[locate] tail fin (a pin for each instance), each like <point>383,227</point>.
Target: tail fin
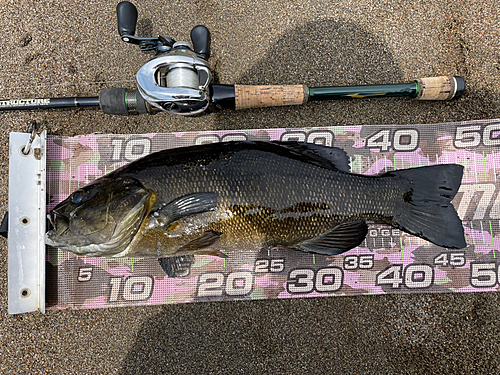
<point>427,211</point>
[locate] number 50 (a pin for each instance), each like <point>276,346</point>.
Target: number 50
<point>471,136</point>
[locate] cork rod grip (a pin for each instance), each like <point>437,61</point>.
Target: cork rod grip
<point>269,96</point>
<point>440,88</point>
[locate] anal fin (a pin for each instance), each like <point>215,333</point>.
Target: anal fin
<point>336,241</point>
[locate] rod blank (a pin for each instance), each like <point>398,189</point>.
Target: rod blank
<point>47,103</point>
<point>120,101</point>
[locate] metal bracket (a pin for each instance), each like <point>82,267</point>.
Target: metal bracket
<point>27,196</point>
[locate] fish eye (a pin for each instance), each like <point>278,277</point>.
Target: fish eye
<point>77,197</point>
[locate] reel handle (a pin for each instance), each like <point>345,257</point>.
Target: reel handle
<point>126,14</point>
<point>200,36</point>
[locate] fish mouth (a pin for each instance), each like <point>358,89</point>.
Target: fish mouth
<point>50,240</point>
<point>61,235</point>
<point>59,226</point>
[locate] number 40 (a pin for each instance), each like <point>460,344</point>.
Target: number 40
<point>402,140</point>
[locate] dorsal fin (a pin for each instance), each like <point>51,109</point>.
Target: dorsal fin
<point>325,156</point>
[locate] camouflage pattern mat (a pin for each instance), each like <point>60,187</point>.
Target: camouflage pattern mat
<point>388,261</point>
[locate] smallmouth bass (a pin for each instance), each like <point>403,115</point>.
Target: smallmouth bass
<point>222,197</point>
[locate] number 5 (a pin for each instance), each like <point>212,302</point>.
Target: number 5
<point>277,265</point>
<point>467,136</point>
<point>85,274</point>
<point>483,275</point>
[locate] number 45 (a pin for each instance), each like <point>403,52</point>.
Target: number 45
<point>450,259</point>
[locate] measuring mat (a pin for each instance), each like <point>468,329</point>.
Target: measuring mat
<point>388,261</point>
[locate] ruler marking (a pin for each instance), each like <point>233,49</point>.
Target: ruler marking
<point>475,165</point>
<point>402,252</point>
<point>473,238</point>
<point>485,173</point>
<point>492,242</point>
<point>482,230</point>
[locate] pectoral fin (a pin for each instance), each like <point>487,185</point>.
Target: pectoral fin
<point>177,266</point>
<point>340,239</point>
<point>185,206</point>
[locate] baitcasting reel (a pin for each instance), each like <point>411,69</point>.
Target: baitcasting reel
<point>177,78</point>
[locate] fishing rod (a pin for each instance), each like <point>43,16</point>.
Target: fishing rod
<point>178,80</point>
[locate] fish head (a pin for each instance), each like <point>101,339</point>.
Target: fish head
<point>102,218</point>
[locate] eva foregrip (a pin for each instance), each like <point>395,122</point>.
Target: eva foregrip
<point>269,96</point>
<point>440,88</point>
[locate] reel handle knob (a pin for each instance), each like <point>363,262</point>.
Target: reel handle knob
<point>200,36</point>
<point>126,14</point>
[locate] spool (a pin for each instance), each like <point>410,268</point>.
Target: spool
<point>183,77</point>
